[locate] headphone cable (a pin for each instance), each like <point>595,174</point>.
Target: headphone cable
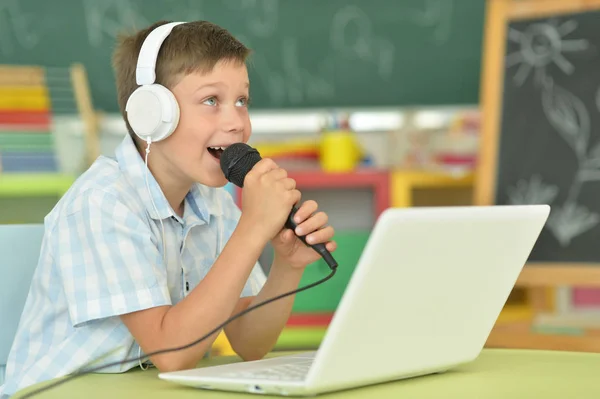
<point>216,329</point>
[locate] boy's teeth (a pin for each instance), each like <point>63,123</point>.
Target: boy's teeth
<point>217,148</point>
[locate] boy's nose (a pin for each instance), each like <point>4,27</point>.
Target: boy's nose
<point>232,121</point>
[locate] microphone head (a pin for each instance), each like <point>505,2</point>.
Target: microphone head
<point>237,160</point>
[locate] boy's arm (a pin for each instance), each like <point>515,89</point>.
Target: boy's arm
<point>110,265</point>
<point>268,196</point>
<point>255,334</point>
<point>208,305</point>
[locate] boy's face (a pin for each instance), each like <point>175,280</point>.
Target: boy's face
<point>213,113</point>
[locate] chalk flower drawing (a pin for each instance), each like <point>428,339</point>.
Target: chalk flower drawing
<point>543,44</point>
<point>592,162</point>
<point>532,192</point>
<point>571,119</point>
<point>570,221</point>
<point>569,116</point>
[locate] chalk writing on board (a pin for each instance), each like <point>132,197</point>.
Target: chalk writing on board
<point>542,44</point>
<point>437,14</point>
<point>352,35</point>
<point>110,18</point>
<point>261,16</point>
<point>294,84</point>
<point>16,27</point>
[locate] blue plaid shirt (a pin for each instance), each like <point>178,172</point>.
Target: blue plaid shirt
<point>102,256</point>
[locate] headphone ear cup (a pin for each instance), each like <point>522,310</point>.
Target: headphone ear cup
<point>152,112</point>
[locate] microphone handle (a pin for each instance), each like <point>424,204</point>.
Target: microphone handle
<point>320,248</point>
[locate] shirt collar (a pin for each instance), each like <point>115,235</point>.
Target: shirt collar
<point>202,200</point>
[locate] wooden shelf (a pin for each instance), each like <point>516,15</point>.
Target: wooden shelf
<point>538,274</point>
<point>405,182</point>
<point>377,179</point>
<point>521,336</point>
<point>514,314</point>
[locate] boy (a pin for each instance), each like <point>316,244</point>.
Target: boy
<point>129,265</point>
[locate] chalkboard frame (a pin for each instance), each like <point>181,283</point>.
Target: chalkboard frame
<point>535,277</point>
<point>499,14</point>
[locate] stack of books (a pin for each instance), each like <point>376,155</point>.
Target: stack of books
<point>26,139</point>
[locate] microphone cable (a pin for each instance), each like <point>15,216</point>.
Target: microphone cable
<point>158,352</point>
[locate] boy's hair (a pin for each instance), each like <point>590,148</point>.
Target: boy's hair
<point>190,47</point>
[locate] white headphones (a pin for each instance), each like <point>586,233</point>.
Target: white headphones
<point>152,110</point>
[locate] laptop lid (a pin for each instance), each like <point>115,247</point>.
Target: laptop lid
<point>426,292</point>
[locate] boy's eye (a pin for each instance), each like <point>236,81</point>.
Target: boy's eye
<point>210,101</point>
<point>242,102</point>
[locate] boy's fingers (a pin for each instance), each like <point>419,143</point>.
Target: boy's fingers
<point>259,170</point>
<point>275,174</point>
<point>320,236</point>
<point>313,223</point>
<point>306,209</point>
<point>287,235</point>
<point>264,165</point>
<point>289,183</point>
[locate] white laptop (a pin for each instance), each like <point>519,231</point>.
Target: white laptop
<point>423,298</point>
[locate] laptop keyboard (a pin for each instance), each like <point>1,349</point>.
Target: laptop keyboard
<point>296,371</point>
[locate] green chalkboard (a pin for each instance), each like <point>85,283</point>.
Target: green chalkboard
<point>307,53</point>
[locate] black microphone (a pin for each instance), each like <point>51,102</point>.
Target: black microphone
<point>236,161</point>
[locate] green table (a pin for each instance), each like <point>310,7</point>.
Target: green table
<point>496,374</point>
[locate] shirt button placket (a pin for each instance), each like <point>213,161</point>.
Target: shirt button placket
<point>185,284</point>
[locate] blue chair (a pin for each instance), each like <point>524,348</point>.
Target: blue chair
<point>19,252</point>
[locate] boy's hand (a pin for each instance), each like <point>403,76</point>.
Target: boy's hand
<point>267,199</point>
<point>290,250</point>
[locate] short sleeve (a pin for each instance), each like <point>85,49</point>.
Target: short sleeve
<point>231,217</point>
<point>107,258</point>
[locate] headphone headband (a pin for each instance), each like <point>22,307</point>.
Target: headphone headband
<point>152,109</point>
<point>145,73</point>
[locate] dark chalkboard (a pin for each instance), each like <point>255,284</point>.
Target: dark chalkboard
<point>307,53</point>
<point>549,140</point>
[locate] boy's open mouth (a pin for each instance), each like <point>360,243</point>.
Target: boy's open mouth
<point>216,151</point>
